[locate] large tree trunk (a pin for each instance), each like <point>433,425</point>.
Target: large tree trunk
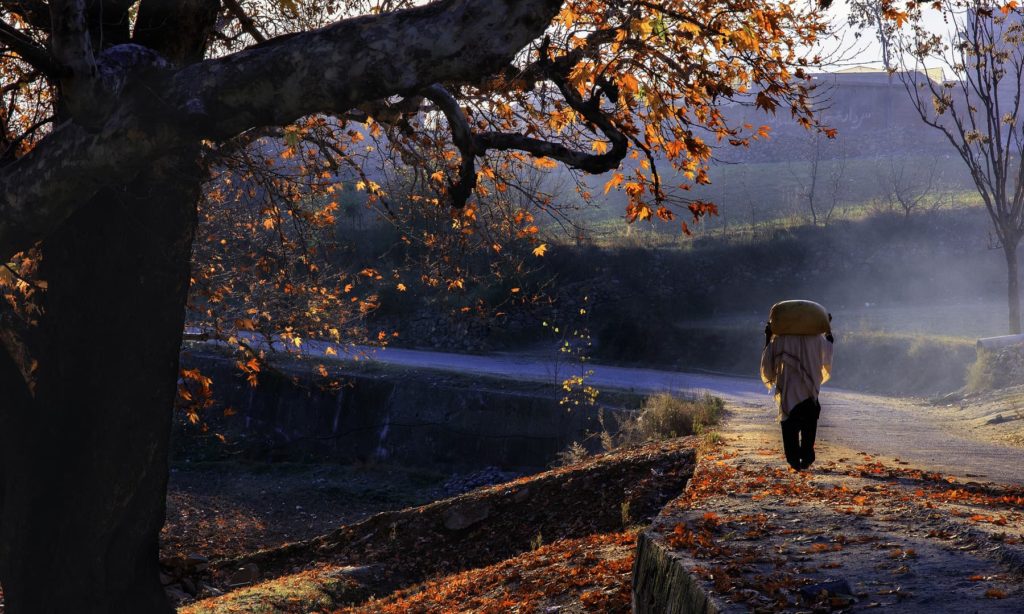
<point>86,463</point>
<point>1012,285</point>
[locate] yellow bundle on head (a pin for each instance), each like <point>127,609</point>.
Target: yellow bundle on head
<point>798,318</point>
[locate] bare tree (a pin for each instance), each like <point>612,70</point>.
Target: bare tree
<point>818,180</point>
<point>907,188</point>
<point>870,15</point>
<point>977,110</point>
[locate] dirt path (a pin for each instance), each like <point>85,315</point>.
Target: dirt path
<point>894,429</point>
<point>854,533</point>
<point>851,422</point>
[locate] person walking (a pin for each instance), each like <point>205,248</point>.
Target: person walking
<point>796,366</point>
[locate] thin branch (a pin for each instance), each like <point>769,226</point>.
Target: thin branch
<point>248,25</point>
<point>34,12</point>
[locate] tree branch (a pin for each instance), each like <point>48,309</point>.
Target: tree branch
<point>330,70</point>
<point>35,12</point>
<point>177,30</point>
<point>38,57</point>
<point>334,69</point>
<point>471,145</point>
<point>69,39</point>
<point>591,110</point>
<point>462,137</point>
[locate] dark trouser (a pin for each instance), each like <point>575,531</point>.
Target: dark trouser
<point>798,432</point>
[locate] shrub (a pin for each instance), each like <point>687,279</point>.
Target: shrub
<point>981,376</point>
<point>575,453</point>
<point>664,416</point>
<point>996,369</point>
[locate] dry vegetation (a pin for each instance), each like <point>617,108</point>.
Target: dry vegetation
<point>661,416</point>
<point>590,574</point>
<point>664,416</point>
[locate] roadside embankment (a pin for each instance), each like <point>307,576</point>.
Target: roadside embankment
<point>323,410</point>
<point>603,495</point>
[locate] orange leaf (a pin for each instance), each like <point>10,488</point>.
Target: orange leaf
<point>614,182</point>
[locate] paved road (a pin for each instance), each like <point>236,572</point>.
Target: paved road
<point>881,426</point>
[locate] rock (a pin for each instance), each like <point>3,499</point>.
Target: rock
<point>363,574</point>
<point>190,586</point>
<point>487,476</point>
<point>459,517</point>
<point>175,563</point>
<point>176,595</point>
<point>205,591</point>
<point>196,562</point>
<point>247,574</point>
<point>832,588</point>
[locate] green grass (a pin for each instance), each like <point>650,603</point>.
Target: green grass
<point>758,199</point>
<point>613,232</point>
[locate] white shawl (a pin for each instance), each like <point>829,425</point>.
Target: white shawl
<point>797,366</point>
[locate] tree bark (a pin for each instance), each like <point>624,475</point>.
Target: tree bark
<point>86,465</point>
<point>1012,285</point>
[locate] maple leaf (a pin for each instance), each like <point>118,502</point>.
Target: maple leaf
<point>766,102</point>
<point>540,250</point>
<point>630,84</point>
<point>615,181</point>
<point>894,14</point>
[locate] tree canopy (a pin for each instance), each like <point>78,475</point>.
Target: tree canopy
<point>292,98</point>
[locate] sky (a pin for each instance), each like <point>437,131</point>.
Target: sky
<point>865,51</point>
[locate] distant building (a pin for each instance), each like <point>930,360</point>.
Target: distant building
<point>869,108</point>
